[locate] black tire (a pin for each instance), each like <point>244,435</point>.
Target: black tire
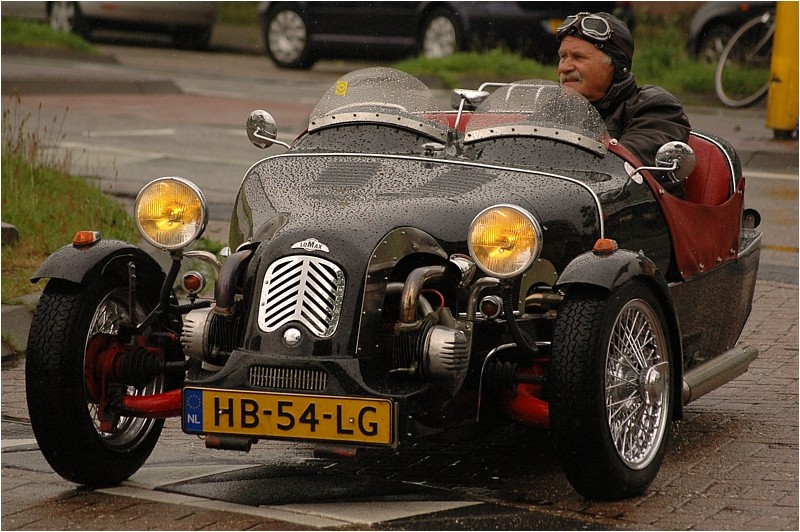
<point>66,17</point>
<point>62,415</point>
<point>742,76</point>
<point>611,422</point>
<point>440,35</point>
<point>287,39</point>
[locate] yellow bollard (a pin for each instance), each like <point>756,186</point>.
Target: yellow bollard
<point>782,99</point>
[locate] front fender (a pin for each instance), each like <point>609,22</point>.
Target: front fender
<point>78,264</point>
<point>611,270</point>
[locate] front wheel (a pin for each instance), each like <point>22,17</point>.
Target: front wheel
<point>611,390</point>
<point>63,415</point>
<point>742,76</point>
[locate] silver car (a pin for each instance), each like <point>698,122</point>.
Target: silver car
<point>188,23</point>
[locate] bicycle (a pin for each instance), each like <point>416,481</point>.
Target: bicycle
<point>742,75</point>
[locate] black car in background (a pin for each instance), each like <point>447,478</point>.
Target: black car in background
<point>715,22</point>
<point>296,34</point>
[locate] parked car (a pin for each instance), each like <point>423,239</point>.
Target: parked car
<point>715,22</point>
<point>190,24</point>
<point>408,268</point>
<point>296,34</point>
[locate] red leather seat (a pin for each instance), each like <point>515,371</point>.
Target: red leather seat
<point>711,182</point>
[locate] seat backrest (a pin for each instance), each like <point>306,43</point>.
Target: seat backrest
<point>711,182</point>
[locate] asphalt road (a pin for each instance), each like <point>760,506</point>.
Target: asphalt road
<point>732,463</point>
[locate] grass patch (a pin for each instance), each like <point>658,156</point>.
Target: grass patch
<point>30,34</point>
<point>46,204</point>
<point>464,69</point>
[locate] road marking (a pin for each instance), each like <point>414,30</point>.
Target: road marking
<point>157,476</point>
<point>770,175</point>
<point>318,515</point>
<point>143,483</point>
<point>130,133</point>
<point>371,513</point>
<point>209,504</point>
<point>8,443</point>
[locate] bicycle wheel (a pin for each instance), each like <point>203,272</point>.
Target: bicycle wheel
<point>743,69</point>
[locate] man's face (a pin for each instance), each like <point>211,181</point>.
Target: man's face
<point>584,67</point>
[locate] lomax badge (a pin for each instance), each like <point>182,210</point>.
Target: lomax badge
<point>311,244</point>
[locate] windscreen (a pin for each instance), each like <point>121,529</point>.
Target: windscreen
<point>541,109</point>
<point>379,95</point>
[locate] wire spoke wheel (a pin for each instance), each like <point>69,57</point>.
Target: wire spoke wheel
<point>637,384</point>
<point>742,75</point>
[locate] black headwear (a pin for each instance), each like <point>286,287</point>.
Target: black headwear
<point>618,46</point>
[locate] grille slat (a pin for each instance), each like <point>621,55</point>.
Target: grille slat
<point>304,289</point>
<point>288,378</point>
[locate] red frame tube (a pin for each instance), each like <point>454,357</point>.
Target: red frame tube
<point>162,405</point>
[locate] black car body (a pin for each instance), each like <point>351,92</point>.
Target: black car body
<point>714,23</point>
<point>298,33</point>
<point>405,269</point>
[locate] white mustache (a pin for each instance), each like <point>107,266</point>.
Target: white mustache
<point>571,76</point>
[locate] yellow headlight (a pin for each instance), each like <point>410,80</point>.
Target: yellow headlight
<point>504,240</point>
<point>171,213</point>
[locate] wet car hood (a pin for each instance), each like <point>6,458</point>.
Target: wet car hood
<point>360,198</point>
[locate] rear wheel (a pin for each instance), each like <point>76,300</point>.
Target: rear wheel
<point>611,391</point>
<point>287,40</point>
<point>63,415</point>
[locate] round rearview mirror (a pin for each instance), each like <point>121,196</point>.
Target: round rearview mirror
<point>678,158</point>
<point>261,129</point>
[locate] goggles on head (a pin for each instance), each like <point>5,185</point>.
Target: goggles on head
<point>594,28</point>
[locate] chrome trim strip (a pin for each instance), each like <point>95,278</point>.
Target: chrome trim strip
<point>537,131</point>
<point>387,119</point>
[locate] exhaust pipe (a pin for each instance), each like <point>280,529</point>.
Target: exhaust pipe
<point>712,374</point>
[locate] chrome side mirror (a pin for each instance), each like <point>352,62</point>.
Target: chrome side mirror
<point>677,158</point>
<point>262,131</point>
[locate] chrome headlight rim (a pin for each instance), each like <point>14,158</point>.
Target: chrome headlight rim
<point>201,227</point>
<point>535,252</point>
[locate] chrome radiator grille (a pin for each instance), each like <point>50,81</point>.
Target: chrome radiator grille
<point>288,378</point>
<point>303,289</point>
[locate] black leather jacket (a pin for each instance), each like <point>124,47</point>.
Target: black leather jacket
<point>643,118</point>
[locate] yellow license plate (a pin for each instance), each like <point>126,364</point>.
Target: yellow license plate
<point>303,417</point>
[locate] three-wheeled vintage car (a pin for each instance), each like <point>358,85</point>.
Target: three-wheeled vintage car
<point>403,269</point>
